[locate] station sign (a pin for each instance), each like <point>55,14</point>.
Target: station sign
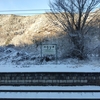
<point>48,49</point>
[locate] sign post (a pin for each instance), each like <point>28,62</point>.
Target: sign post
<point>49,50</point>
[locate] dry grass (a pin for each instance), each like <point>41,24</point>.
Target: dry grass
<point>21,30</point>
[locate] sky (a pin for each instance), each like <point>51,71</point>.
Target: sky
<point>6,5</point>
<point>23,5</point>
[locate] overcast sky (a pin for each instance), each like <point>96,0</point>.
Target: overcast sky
<point>23,5</point>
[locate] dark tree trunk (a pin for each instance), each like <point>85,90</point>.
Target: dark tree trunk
<point>78,42</point>
<point>74,16</point>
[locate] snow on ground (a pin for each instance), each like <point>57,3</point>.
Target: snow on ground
<point>13,60</point>
<point>49,68</point>
<point>49,95</point>
<point>50,88</point>
<point>52,95</point>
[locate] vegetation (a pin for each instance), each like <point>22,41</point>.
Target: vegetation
<point>74,17</point>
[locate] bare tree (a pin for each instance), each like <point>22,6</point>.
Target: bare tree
<point>73,16</point>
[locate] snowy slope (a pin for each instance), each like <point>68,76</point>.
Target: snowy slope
<point>13,60</point>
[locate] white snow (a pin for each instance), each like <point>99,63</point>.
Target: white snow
<point>50,88</point>
<point>49,68</point>
<point>13,60</point>
<point>53,95</point>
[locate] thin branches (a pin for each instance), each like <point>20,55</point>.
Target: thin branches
<point>72,16</point>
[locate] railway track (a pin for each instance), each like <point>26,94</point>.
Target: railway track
<point>79,91</point>
<point>49,94</point>
<point>49,86</point>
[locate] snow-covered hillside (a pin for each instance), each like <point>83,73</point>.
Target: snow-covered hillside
<point>26,33</point>
<point>21,30</point>
<point>14,57</point>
